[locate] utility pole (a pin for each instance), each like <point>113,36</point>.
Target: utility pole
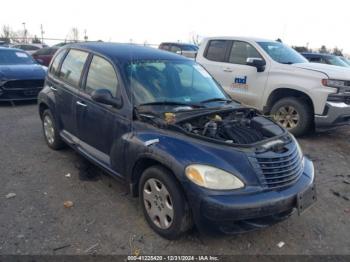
<point>85,36</point>
<point>42,33</point>
<point>24,32</point>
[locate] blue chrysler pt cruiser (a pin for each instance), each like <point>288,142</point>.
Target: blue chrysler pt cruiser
<point>161,123</point>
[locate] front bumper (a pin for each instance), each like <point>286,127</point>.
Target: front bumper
<point>19,94</point>
<point>336,114</point>
<point>236,213</point>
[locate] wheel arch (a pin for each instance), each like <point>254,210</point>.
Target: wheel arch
<point>280,93</point>
<point>139,167</point>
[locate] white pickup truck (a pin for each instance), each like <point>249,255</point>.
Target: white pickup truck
<point>277,80</point>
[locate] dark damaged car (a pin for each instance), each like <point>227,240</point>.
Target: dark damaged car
<point>161,123</point>
<point>21,78</point>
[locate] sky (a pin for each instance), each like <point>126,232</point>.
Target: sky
<point>296,22</point>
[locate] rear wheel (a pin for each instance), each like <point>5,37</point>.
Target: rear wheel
<point>293,114</point>
<point>163,203</point>
<point>51,133</point>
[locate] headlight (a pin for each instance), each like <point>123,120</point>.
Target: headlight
<point>339,84</point>
<point>212,178</point>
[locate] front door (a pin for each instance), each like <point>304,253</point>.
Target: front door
<point>243,82</point>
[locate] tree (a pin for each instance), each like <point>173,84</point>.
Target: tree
<point>74,34</point>
<point>6,34</point>
<point>301,49</point>
<point>323,50</point>
<point>36,40</point>
<point>337,51</point>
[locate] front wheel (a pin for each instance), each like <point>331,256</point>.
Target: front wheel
<point>293,114</point>
<point>163,203</point>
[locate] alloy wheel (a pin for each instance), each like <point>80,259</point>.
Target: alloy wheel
<point>49,130</point>
<point>287,116</point>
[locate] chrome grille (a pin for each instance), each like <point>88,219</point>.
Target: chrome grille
<point>281,171</point>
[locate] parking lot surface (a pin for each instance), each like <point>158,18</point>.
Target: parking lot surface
<point>104,219</point>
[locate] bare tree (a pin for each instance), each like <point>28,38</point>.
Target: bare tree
<point>337,51</point>
<point>195,38</point>
<point>74,34</point>
<point>6,34</point>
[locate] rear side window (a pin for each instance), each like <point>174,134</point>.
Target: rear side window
<point>216,50</point>
<point>240,51</point>
<point>72,66</point>
<point>101,76</point>
<point>175,48</point>
<point>56,62</point>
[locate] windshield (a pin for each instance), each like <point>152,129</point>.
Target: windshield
<point>334,60</point>
<point>346,61</point>
<point>182,82</point>
<point>282,53</point>
<point>12,57</point>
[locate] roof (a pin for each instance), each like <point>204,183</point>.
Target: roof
<point>11,49</point>
<point>126,52</point>
<point>316,54</point>
<point>240,38</point>
<point>177,43</point>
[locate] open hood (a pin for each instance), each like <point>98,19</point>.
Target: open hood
<point>333,72</point>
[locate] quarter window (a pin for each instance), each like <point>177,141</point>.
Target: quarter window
<point>72,67</point>
<point>56,63</point>
<point>216,50</point>
<point>240,51</point>
<point>101,76</point>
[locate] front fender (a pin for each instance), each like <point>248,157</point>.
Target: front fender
<point>176,151</point>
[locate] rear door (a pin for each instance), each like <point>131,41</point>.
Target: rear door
<point>101,126</point>
<point>66,88</point>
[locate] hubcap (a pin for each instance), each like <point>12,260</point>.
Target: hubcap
<point>158,203</point>
<point>48,129</point>
<point>287,116</point>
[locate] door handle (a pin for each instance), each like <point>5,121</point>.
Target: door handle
<point>53,88</point>
<point>227,69</point>
<point>81,104</point>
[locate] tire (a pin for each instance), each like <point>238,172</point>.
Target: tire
<point>51,133</point>
<point>289,110</point>
<point>155,203</point>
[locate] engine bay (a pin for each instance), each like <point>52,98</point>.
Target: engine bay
<point>243,127</point>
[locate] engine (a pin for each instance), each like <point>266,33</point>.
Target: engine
<point>235,127</point>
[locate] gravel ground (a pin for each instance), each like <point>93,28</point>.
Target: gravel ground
<point>106,220</point>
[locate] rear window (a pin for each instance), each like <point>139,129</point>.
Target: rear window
<point>216,50</point>
<point>72,67</point>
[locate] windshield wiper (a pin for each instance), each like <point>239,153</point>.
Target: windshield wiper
<point>216,99</point>
<point>169,103</point>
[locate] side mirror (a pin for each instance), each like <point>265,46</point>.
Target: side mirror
<point>104,96</point>
<point>257,62</point>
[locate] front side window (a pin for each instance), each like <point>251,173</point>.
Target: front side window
<point>172,81</point>
<point>101,76</point>
<point>282,53</point>
<point>72,66</point>
<point>240,51</point>
<point>216,50</point>
<point>13,57</point>
<point>56,63</point>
